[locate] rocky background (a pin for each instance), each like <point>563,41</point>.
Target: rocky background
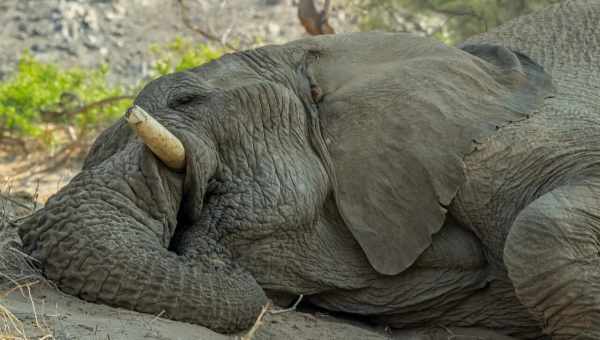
<point>91,32</point>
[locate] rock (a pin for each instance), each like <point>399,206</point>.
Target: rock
<point>90,20</point>
<point>273,29</point>
<point>91,41</point>
<point>273,2</point>
<point>22,27</point>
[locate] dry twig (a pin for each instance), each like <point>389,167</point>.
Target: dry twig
<point>315,22</point>
<point>85,107</point>
<point>257,324</point>
<point>291,309</point>
<point>12,328</point>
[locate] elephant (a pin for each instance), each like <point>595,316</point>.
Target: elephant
<point>383,175</point>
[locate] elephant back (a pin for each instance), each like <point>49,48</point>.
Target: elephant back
<point>559,143</point>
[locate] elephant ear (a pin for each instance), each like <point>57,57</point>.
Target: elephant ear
<point>397,124</point>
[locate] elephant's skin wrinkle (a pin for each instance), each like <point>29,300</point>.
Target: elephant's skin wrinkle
<point>402,191</point>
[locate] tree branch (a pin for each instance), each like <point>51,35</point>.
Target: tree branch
<point>457,13</point>
<point>84,108</point>
<point>315,22</point>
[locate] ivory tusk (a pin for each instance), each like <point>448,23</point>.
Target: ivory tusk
<point>163,143</point>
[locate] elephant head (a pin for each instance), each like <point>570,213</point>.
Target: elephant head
<point>376,123</point>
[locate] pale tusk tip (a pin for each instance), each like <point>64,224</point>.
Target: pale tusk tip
<point>135,115</point>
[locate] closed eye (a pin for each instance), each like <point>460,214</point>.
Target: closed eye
<point>184,101</point>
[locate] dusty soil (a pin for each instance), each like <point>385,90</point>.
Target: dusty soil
<point>66,317</point>
<point>45,311</point>
<point>29,173</point>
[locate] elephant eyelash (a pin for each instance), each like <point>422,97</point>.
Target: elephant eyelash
<point>185,99</point>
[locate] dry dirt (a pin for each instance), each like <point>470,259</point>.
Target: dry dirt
<point>27,172</point>
<point>46,311</point>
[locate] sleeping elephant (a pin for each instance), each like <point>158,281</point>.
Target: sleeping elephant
<point>384,175</point>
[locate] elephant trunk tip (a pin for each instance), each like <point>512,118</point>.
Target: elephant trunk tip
<point>161,141</point>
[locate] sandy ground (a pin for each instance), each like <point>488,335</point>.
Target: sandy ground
<point>37,173</point>
<point>46,311</point>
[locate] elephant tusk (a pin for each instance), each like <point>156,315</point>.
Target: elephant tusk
<point>163,143</point>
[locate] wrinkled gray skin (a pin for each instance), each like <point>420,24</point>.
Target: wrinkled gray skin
<point>383,175</point>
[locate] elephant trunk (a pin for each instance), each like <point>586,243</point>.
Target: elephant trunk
<point>552,257</point>
<point>104,238</point>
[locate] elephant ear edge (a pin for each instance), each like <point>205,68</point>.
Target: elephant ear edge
<point>393,181</point>
<point>527,78</point>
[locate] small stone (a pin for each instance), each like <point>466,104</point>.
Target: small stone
<point>91,20</point>
<point>273,29</point>
<point>22,27</point>
<point>37,48</point>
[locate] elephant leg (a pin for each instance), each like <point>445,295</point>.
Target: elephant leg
<point>552,258</point>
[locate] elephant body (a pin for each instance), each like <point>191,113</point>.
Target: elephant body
<point>384,175</point>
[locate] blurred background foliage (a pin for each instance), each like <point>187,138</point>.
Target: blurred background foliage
<point>181,54</point>
<point>449,20</point>
<point>40,101</point>
<point>39,92</point>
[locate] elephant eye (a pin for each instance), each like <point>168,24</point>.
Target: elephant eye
<point>182,100</point>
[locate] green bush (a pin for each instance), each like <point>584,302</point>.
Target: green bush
<point>181,54</point>
<point>40,92</point>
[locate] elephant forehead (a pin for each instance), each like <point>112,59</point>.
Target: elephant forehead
<point>374,47</point>
<point>397,60</point>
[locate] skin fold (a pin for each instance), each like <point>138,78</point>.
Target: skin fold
<point>385,175</point>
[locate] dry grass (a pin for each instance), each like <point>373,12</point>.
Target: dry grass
<point>15,266</point>
<point>11,328</point>
<point>16,272</point>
